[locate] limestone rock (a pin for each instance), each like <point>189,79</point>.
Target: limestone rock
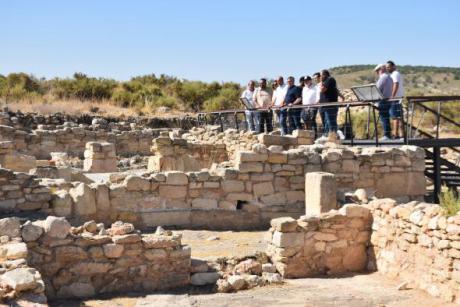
<point>205,278</point>
<point>249,266</point>
<point>56,227</point>
<point>272,278</point>
<point>10,227</point>
<point>284,224</point>
<point>237,282</point>
<point>84,199</point>
<point>31,232</point>
<point>120,228</point>
<point>20,279</point>
<point>113,250</point>
<point>12,251</point>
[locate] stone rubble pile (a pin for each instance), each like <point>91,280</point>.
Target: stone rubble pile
<point>18,281</point>
<point>234,274</point>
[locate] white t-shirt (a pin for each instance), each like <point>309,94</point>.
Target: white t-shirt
<point>318,92</point>
<point>309,95</point>
<point>248,94</point>
<point>397,77</point>
<point>279,94</point>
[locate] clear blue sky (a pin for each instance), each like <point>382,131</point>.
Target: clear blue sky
<point>222,40</point>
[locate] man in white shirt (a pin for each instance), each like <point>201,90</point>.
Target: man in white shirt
<point>278,100</point>
<point>251,115</point>
<point>397,92</point>
<point>309,98</point>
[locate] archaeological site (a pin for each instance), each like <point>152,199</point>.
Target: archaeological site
<point>97,207</point>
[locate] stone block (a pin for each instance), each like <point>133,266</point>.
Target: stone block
<point>251,167</point>
<point>288,239</point>
<point>173,191</point>
<point>263,188</point>
<point>84,200</point>
<point>284,224</point>
<point>249,156</point>
<point>62,204</point>
<point>229,186</point>
<point>176,178</point>
<point>320,192</point>
<point>203,203</point>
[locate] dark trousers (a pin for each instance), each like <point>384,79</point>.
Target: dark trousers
<point>322,114</point>
<point>384,113</point>
<point>309,119</point>
<point>283,121</point>
<point>294,119</point>
<point>330,116</point>
<point>265,121</point>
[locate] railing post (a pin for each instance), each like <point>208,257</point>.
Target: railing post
<point>376,131</point>
<point>236,121</point>
<point>221,123</point>
<point>436,173</point>
<point>438,119</point>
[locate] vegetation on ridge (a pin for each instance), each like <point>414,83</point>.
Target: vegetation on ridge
<point>147,93</point>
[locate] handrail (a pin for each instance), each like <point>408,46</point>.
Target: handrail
<point>419,103</point>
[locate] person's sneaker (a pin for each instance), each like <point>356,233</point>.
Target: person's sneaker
<point>341,135</point>
<point>384,138</point>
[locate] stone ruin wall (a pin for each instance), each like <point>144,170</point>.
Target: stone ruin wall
<point>41,143</point>
<point>263,184</point>
<point>419,244</point>
<point>414,242</point>
<point>331,243</point>
<point>74,262</point>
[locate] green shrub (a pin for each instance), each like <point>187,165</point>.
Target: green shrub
<point>449,202</point>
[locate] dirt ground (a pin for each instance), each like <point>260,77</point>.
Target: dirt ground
<point>351,290</point>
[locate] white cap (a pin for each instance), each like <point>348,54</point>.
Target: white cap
<point>377,68</point>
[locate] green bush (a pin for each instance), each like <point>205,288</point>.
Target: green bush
<point>449,202</point>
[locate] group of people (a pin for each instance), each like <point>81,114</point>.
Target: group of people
<point>281,100</point>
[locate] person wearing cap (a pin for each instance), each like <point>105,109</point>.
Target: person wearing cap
<point>309,98</point>
<point>251,115</point>
<point>262,100</point>
<point>385,85</point>
<point>293,98</point>
<point>302,82</point>
<point>397,92</point>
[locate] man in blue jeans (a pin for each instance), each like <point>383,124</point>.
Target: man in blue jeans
<point>293,98</point>
<point>385,85</point>
<point>331,94</point>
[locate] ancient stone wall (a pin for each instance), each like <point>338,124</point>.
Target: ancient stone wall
<point>419,244</point>
<point>89,260</point>
<point>31,121</point>
<point>180,155</point>
<point>332,243</point>
<point>40,143</point>
<point>22,192</point>
<point>264,184</point>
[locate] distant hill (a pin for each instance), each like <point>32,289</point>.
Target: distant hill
<point>418,80</point>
